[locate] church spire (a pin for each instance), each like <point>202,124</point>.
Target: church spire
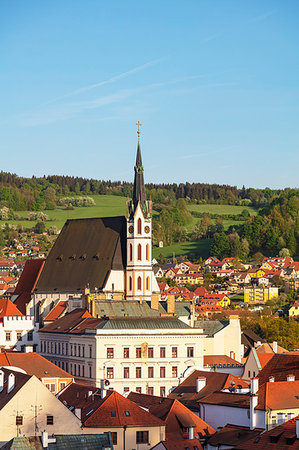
<point>139,188</point>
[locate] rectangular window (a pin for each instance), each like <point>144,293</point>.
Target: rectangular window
<point>110,372</point>
<point>7,335</point>
<point>138,390</point>
<point>162,391</point>
<point>71,349</point>
<point>126,352</point>
<point>126,372</point>
<point>89,371</point>
<point>162,372</point>
<point>174,352</point>
<point>50,420</point>
<point>19,420</point>
<point>190,352</point>
<point>162,352</point>
<point>79,350</point>
<point>75,349</point>
<point>138,372</point>
<point>83,371</point>
<point>66,348</point>
<point>126,389</point>
<point>30,335</point>
<point>150,390</point>
<point>114,437</point>
<point>19,335</point>
<point>174,372</point>
<point>138,352</point>
<point>150,372</point>
<point>90,351</point>
<point>83,351</point>
<point>110,352</point>
<point>150,352</point>
<point>62,385</point>
<point>141,437</point>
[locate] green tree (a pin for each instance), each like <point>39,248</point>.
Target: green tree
<point>220,246</point>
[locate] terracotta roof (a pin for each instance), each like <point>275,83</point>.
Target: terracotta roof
<point>56,312</point>
<point>174,413</point>
<point>182,444</point>
<point>7,308</point>
<point>278,395</point>
<point>84,253</point>
<point>215,381</point>
<point>282,437</point>
<point>27,282</point>
<point>280,366</point>
<point>232,435</point>
<point>264,358</point>
<point>200,291</point>
<point>266,347</point>
<point>227,399</point>
<point>113,410</point>
<point>216,360</point>
<point>68,322</point>
<point>33,364</point>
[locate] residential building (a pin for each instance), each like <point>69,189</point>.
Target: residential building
<point>259,294</point>
<point>231,436</point>
<point>27,407</point>
<point>294,310</point>
<point>104,411</point>
<point>53,377</point>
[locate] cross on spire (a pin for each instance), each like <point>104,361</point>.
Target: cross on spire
<point>138,130</point>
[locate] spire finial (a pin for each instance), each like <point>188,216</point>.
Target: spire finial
<point>138,130</point>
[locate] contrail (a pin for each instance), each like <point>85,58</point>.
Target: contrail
<point>109,81</point>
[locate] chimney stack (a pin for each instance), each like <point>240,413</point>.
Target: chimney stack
<point>200,383</point>
<point>170,304</point>
<point>191,432</point>
<point>155,302</point>
<point>11,382</point>
<point>103,389</point>
<point>291,377</point>
<point>274,346</point>
<point>271,379</point>
<point>1,380</point>
<point>254,385</point>
<point>45,439</point>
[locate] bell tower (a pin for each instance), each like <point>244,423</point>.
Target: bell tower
<point>140,279</point>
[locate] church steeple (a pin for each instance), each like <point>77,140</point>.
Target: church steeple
<point>139,188</point>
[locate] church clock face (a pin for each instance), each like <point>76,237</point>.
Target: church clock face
<point>131,229</point>
<point>147,229</point>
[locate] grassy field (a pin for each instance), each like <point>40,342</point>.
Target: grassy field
<point>200,248</point>
<point>221,209</point>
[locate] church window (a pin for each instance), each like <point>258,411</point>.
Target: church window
<point>147,252</point>
<point>139,252</point>
<point>130,283</point>
<point>130,252</point>
<point>139,283</point>
<point>147,283</point>
<point>139,226</point>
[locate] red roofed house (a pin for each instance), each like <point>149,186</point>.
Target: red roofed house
<point>59,310</point>
<point>258,357</point>
<point>181,423</point>
<point>17,331</point>
<point>53,377</point>
<point>215,299</point>
<point>26,285</point>
<point>104,410</point>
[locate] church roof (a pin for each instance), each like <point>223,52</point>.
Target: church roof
<point>139,188</point>
<point>83,255</point>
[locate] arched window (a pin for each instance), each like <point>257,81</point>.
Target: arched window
<point>139,283</point>
<point>139,226</point>
<point>130,283</point>
<point>130,252</point>
<point>139,252</point>
<point>147,283</point>
<point>147,252</point>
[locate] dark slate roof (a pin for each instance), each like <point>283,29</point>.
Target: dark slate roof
<point>211,327</point>
<point>143,323</point>
<point>63,442</point>
<point>132,308</point>
<point>83,255</point>
<point>20,380</point>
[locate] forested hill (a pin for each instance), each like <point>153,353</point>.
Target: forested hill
<point>18,193</point>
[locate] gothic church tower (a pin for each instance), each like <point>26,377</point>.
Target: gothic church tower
<point>140,279</point>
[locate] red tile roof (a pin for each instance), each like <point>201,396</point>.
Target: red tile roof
<point>282,437</point>
<point>56,312</point>
<point>33,364</point>
<point>27,282</point>
<point>227,399</point>
<point>264,358</point>
<point>7,308</point>
<point>216,360</point>
<point>278,395</point>
<point>176,415</point>
<point>280,366</point>
<point>182,444</point>
<point>113,410</point>
<point>232,435</point>
<point>68,322</point>
<point>200,291</point>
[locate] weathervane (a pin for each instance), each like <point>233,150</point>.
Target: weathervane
<point>138,130</point>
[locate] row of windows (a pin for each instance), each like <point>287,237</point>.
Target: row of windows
<point>138,372</point>
<point>19,335</point>
<point>139,252</point>
<point>141,437</point>
<point>78,370</point>
<point>139,283</point>
<point>61,348</point>
<point>20,420</point>
<point>149,352</point>
<point>149,390</point>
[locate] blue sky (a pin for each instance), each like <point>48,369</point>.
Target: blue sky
<point>214,83</point>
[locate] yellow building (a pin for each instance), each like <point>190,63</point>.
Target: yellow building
<point>294,310</point>
<point>259,294</point>
<point>256,273</point>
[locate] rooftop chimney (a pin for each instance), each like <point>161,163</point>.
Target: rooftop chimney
<point>103,389</point>
<point>271,379</point>
<point>200,383</point>
<point>191,432</point>
<point>45,439</point>
<point>170,304</point>
<point>11,382</point>
<point>78,412</point>
<point>274,346</point>
<point>253,404</point>
<point>254,385</point>
<point>291,377</point>
<point>1,380</point>
<point>155,302</point>
<point>232,355</point>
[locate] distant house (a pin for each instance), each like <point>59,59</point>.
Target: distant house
<point>294,310</point>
